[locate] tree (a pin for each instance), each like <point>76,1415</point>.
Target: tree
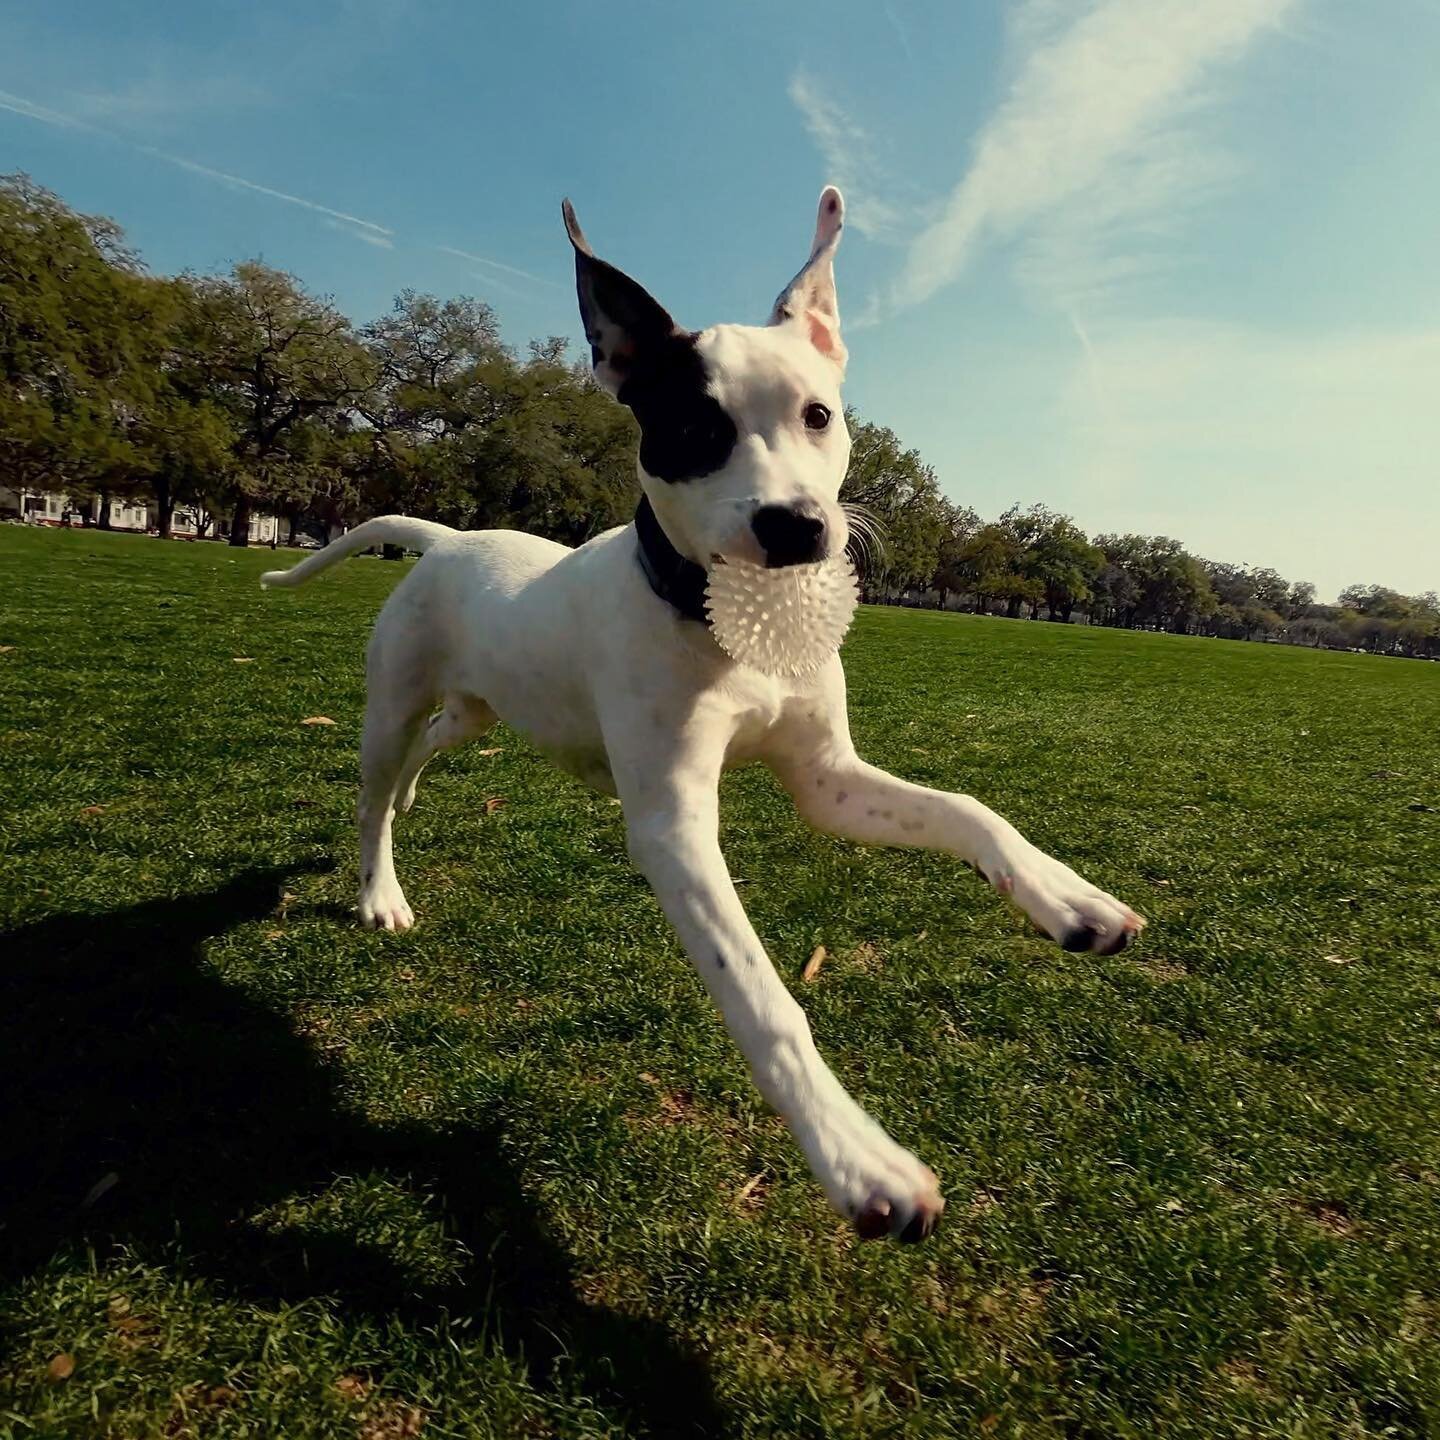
<point>79,337</point>
<point>896,491</point>
<point>273,357</point>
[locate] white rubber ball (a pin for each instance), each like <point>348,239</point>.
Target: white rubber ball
<point>786,621</point>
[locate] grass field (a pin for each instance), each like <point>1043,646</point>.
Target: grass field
<point>505,1175</point>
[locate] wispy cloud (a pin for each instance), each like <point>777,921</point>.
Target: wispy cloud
<point>850,157</point>
<point>367,229</point>
<point>19,105</point>
<point>1095,140</point>
<point>362,229</point>
<point>493,264</point>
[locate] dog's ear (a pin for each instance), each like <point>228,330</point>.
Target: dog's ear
<point>621,319</point>
<point>808,301</point>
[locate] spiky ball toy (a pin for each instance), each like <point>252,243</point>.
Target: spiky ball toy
<point>786,621</point>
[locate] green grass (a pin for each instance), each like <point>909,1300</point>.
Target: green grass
<point>490,1177</point>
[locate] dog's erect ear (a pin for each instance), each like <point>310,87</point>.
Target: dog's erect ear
<point>808,301</point>
<point>621,319</point>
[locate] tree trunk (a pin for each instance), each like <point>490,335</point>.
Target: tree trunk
<point>164,508</point>
<point>240,523</point>
<point>1012,608</point>
<point>103,518</point>
<point>294,525</point>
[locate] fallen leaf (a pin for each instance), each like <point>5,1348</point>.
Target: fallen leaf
<point>494,803</point>
<point>1173,1207</point>
<point>243,659</point>
<point>748,1191</point>
<point>93,810</point>
<point>1195,808</point>
<point>405,973</point>
<point>100,1188</point>
<point>813,964</point>
<point>6,649</point>
<point>1341,959</point>
<point>353,1387</point>
<point>494,750</point>
<point>317,720</point>
<point>922,935</point>
<point>61,1367</point>
<point>391,1420</point>
<point>274,934</point>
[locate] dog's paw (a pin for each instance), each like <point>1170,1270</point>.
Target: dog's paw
<point>384,907</point>
<point>1074,913</point>
<point>879,1186</point>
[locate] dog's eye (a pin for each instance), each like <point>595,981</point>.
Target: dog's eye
<point>817,416</point>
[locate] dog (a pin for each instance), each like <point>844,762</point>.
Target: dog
<point>602,658</point>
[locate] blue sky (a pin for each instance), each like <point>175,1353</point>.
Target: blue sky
<point>1163,264</point>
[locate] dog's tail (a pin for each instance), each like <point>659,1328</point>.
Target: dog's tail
<point>383,530</point>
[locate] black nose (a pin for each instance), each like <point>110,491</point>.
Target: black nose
<point>790,534</point>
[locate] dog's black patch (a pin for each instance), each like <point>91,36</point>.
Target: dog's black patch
<point>654,365</point>
<point>684,431</point>
<point>719,961</point>
<point>919,1227</point>
<point>1079,939</point>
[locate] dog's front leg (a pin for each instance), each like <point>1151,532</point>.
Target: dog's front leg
<point>672,818</point>
<point>836,791</point>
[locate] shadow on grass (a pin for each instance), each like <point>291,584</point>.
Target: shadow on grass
<point>120,1052</point>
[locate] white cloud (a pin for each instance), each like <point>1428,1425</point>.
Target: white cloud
<point>361,229</point>
<point>1094,140</point>
<point>493,264</point>
<point>849,154</point>
<point>1312,452</point>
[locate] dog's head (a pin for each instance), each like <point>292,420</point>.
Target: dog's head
<point>742,433</point>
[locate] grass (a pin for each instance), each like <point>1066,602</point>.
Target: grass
<point>505,1175</point>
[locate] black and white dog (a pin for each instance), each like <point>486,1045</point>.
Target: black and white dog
<point>601,657</point>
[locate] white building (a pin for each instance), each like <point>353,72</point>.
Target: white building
<point>50,507</point>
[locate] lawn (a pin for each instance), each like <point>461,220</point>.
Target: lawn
<point>265,1174</point>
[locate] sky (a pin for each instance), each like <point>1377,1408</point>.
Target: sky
<point>1164,265</point>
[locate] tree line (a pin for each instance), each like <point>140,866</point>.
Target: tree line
<point>227,394</point>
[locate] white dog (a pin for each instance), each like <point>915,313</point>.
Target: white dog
<point>602,658</point>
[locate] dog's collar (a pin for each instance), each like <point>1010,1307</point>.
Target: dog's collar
<point>676,580</point>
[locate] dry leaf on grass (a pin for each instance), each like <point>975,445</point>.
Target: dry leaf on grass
<point>61,1367</point>
<point>391,1420</point>
<point>1341,959</point>
<point>353,1387</point>
<point>494,750</point>
<point>752,1192</point>
<point>813,964</point>
<point>317,720</point>
<point>494,803</point>
<point>93,810</point>
<point>6,649</point>
<point>100,1189</point>
<point>243,659</point>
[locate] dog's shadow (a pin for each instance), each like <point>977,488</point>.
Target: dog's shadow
<point>122,1053</point>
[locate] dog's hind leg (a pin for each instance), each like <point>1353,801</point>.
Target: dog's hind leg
<point>463,718</point>
<point>393,727</point>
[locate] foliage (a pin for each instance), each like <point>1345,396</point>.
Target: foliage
<point>224,393</point>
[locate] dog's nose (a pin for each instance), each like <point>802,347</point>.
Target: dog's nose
<point>790,534</point>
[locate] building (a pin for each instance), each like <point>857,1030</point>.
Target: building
<point>50,507</point>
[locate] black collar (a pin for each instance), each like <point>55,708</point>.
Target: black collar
<point>672,577</point>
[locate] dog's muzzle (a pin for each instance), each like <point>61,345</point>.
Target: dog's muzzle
<point>790,534</point>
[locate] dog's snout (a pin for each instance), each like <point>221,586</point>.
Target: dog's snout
<point>790,534</point>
